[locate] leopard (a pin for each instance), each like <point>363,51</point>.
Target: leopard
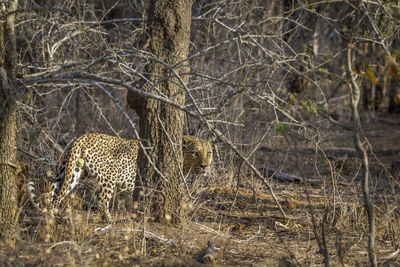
<point>112,162</point>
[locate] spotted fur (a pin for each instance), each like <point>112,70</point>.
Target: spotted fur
<point>112,161</point>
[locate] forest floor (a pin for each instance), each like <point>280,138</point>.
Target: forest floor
<point>246,227</point>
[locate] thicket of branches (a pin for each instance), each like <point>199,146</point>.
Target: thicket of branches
<point>253,63</point>
<point>263,75</point>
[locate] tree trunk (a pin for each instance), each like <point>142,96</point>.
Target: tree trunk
<point>159,123</point>
<point>8,148</point>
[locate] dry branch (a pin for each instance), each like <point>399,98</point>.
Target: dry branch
<point>362,153</point>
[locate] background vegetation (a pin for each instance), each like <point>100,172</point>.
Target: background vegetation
<point>270,81</point>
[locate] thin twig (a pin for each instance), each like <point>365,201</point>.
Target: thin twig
<point>362,153</point>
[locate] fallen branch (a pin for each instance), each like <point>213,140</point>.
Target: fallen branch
<point>285,177</point>
<point>391,257</point>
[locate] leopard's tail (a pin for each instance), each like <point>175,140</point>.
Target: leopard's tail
<point>43,200</point>
<point>31,190</point>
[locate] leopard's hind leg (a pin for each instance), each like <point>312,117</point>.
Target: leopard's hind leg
<point>106,194</point>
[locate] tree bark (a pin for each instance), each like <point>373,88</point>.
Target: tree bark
<point>8,148</point>
<point>160,124</point>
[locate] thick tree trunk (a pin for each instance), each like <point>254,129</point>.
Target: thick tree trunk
<point>160,124</point>
<point>8,148</point>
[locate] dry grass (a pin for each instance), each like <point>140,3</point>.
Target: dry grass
<point>245,226</point>
<point>251,232</point>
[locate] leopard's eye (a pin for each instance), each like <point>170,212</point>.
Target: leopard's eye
<point>208,153</point>
<point>195,154</point>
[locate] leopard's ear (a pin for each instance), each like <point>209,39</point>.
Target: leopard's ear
<point>210,140</point>
<point>187,139</point>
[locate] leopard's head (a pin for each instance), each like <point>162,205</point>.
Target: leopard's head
<point>197,155</point>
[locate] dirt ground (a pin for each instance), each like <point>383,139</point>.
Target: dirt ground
<point>245,227</point>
